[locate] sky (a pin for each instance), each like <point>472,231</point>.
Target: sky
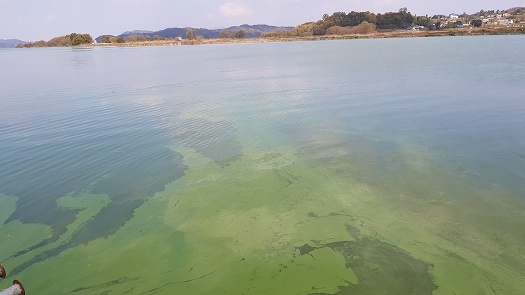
<point>32,20</point>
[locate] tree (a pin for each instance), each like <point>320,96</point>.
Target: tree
<point>157,38</point>
<point>120,40</point>
<point>476,23</point>
<point>105,39</point>
<point>338,19</point>
<point>225,34</point>
<point>59,42</point>
<point>305,29</point>
<point>369,17</point>
<point>363,28</point>
<point>240,34</point>
<point>79,39</point>
<point>278,34</point>
<point>395,20</point>
<point>138,38</point>
<point>191,34</point>
<point>423,21</point>
<point>40,43</point>
<point>320,27</point>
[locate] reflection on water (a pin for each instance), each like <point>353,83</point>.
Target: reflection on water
<point>341,167</point>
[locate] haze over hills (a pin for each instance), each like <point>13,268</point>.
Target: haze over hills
<point>10,43</point>
<point>252,31</point>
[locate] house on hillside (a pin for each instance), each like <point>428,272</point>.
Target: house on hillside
<point>505,22</point>
<point>498,22</point>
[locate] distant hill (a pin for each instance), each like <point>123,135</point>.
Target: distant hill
<point>252,31</point>
<point>515,9</point>
<point>136,32</point>
<point>10,43</point>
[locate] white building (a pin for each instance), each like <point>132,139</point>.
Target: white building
<point>506,22</point>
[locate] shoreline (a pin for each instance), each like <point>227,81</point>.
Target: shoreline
<point>375,35</point>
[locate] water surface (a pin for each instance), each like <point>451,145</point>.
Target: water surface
<point>334,167</point>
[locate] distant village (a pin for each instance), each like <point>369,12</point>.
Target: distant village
<point>489,18</point>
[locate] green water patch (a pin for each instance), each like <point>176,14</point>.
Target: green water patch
<point>188,239</point>
<point>382,268</point>
<point>262,214</point>
<point>435,216</point>
<point>128,188</point>
<point>66,168</point>
<point>15,235</point>
<point>274,223</point>
<point>291,211</point>
<point>136,258</point>
<point>127,192</point>
<point>21,257</point>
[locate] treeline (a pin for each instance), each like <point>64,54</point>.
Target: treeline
<point>387,21</point>
<point>514,11</point>
<point>341,23</point>
<point>73,39</point>
<point>191,34</point>
<point>130,38</point>
<point>311,29</point>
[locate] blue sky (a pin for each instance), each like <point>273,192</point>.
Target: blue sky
<point>32,20</point>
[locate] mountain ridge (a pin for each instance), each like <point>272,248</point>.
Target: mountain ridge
<point>137,32</point>
<point>514,9</point>
<point>10,43</point>
<point>252,31</point>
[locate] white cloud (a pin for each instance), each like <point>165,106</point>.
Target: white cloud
<point>234,9</point>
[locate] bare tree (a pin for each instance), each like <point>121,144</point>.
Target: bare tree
<point>240,34</point>
<point>225,33</point>
<point>191,34</point>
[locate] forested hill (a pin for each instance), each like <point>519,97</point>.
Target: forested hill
<point>515,9</point>
<point>10,43</point>
<point>252,31</point>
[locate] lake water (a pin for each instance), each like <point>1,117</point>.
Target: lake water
<point>383,166</point>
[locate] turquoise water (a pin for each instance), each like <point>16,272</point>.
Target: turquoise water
<point>433,126</point>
